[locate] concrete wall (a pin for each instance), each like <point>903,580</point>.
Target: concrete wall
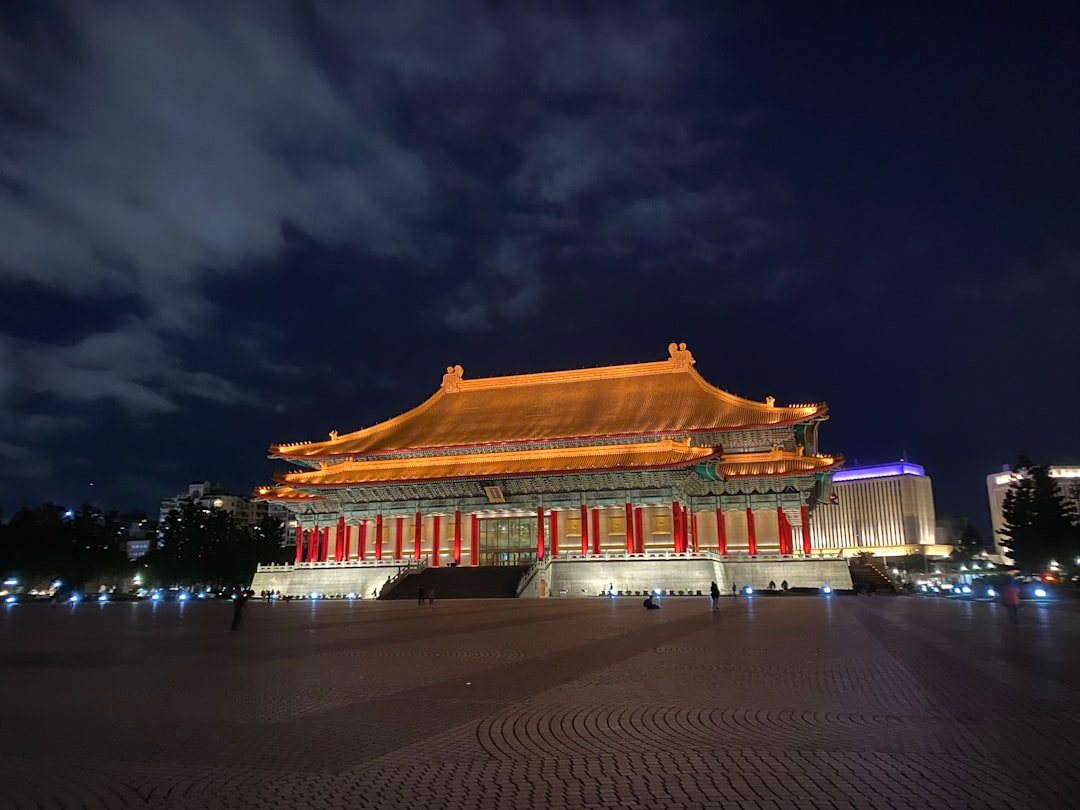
<point>591,576</point>
<point>334,579</point>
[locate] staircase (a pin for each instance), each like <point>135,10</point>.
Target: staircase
<point>870,571</point>
<point>482,582</point>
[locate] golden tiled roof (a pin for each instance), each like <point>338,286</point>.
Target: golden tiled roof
<point>774,463</point>
<point>284,494</point>
<point>662,398</point>
<point>642,456</point>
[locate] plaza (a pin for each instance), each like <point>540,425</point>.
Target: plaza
<point>768,702</point>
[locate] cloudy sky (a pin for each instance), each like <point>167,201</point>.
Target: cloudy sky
<point>229,224</point>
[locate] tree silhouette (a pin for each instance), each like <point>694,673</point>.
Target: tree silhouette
<point>1040,525</point>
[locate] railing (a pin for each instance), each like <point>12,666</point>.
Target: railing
<point>534,570</point>
<point>414,567</point>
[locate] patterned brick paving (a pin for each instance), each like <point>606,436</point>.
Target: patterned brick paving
<point>790,702</point>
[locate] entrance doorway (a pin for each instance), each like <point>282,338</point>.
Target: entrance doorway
<point>507,541</point>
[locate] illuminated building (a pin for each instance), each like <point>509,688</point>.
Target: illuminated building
<point>997,484</point>
<point>642,462</point>
<point>887,509</point>
<point>209,495</point>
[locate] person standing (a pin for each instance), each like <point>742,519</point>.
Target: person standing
<point>734,590</point>
<point>420,596</point>
<point>714,592</point>
<point>1010,598</point>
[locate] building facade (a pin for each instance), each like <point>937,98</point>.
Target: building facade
<point>208,494</point>
<point>997,484</point>
<point>887,509</point>
<point>632,461</point>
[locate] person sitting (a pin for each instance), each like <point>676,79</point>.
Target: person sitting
<point>651,602</point>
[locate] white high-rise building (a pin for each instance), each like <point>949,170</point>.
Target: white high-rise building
<point>887,509</point>
<point>997,484</point>
<point>210,495</point>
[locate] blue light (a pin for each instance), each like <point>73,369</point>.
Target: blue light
<point>56,584</point>
<point>965,589</point>
<point>879,471</point>
<point>155,596</point>
<point>10,600</point>
<point>350,595</point>
<point>1040,593</point>
<point>748,591</point>
<point>183,597</point>
<point>202,594</point>
<point>314,594</point>
<point>104,597</point>
<point>11,582</point>
<point>826,589</point>
<point>73,598</point>
<point>658,591</point>
<point>991,592</point>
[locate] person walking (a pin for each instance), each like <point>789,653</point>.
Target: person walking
<point>238,609</point>
<point>431,596</point>
<point>714,592</point>
<point>1010,598</point>
<point>420,597</point>
<point>734,590</point>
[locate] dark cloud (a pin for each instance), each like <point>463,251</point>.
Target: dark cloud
<point>258,207</point>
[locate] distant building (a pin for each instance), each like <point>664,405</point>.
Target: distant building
<point>887,509</point>
<point>141,536</point>
<point>997,484</point>
<point>209,495</point>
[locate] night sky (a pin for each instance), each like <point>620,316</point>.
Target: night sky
<point>224,225</point>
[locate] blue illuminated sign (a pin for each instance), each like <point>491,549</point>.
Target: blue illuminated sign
<point>879,471</point>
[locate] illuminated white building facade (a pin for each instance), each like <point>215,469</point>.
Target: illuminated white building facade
<point>997,484</point>
<point>886,509</point>
<point>210,495</point>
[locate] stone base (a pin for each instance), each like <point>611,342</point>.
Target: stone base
<point>335,579</point>
<point>679,574</point>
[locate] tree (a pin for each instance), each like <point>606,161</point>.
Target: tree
<point>968,545</point>
<point>1040,525</point>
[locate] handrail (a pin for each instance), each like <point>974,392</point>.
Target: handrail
<point>414,566</point>
<point>531,573</point>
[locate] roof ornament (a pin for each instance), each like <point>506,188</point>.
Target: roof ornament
<point>770,402</point>
<point>451,380</point>
<point>680,356</point>
<point>333,435</point>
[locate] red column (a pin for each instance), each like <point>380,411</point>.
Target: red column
<point>475,545</point>
<point>629,529</point>
<point>362,539</point>
<point>693,520</point>
<point>684,525</point>
<point>554,545</point>
<point>457,536</point>
<point>400,530</point>
<point>435,541</point>
<point>596,531</point>
<point>378,536</point>
<point>780,528</point>
<point>418,525</point>
<point>639,535</point>
<point>751,539</point>
<point>584,529</point>
<point>721,533</point>
<point>339,542</point>
<point>539,532</point>
<point>324,553</point>
<point>299,542</point>
<point>805,513</point>
<point>676,529</point>
<point>313,544</point>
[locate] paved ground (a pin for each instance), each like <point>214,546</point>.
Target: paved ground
<point>767,703</point>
